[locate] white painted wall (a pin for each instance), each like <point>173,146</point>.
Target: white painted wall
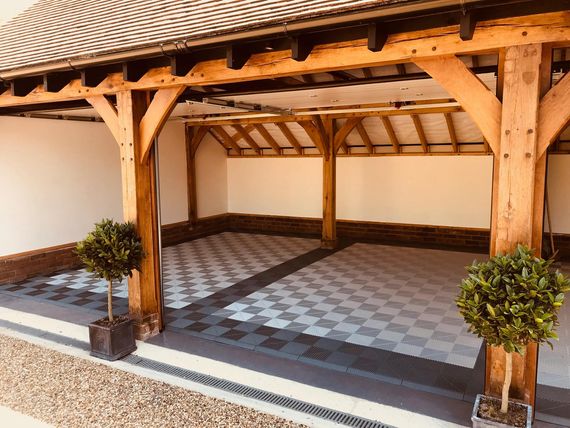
<point>438,190</point>
<point>211,178</point>
<point>58,178</point>
<point>172,173</point>
<point>275,186</point>
<point>559,192</point>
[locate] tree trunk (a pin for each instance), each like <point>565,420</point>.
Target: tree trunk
<point>507,382</point>
<point>110,301</point>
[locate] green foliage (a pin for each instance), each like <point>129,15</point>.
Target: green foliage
<point>512,300</point>
<point>112,250</point>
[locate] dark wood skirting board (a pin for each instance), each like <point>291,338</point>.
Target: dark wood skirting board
<point>46,261</point>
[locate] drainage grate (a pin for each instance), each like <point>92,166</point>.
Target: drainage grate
<point>257,394</point>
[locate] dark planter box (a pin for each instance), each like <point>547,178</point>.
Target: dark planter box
<point>112,343</point>
<point>484,423</point>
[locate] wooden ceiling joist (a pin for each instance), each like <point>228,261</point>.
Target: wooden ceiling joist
<point>248,138</point>
<point>290,137</point>
<point>451,130</point>
<point>268,138</point>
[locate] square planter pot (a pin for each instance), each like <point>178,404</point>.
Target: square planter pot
<point>479,422</point>
<point>112,342</point>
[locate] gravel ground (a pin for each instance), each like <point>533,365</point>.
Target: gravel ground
<point>72,392</point>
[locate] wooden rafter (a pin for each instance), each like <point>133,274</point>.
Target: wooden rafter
<point>218,138</point>
<point>479,102</point>
<point>365,137</point>
<point>197,138</point>
<point>315,135</point>
<point>248,139</point>
<point>553,115</point>
<point>290,137</point>
<point>420,131</point>
<point>451,130</point>
<point>343,145</point>
<point>343,132</point>
<point>108,113</point>
<point>156,115</point>
<point>228,139</point>
<point>238,136</point>
<point>268,138</point>
<point>415,45</point>
<point>391,134</point>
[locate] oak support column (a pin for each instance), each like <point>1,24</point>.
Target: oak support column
<point>140,207</point>
<point>514,186</point>
<point>329,239</point>
<point>191,177</point>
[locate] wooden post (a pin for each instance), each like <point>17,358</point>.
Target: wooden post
<point>140,207</point>
<point>514,186</point>
<point>191,177</point>
<point>329,240</point>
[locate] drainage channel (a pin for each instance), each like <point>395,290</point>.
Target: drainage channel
<point>214,382</point>
<point>256,394</point>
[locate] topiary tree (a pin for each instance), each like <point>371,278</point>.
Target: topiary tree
<point>510,301</point>
<point>111,251</point>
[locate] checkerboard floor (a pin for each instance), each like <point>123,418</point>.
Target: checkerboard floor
<point>391,298</point>
<point>382,311</point>
<point>191,270</point>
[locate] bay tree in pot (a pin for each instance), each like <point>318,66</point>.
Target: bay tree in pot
<point>111,251</point>
<point>510,301</point>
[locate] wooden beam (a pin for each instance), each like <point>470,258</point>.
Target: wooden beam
<point>237,136</point>
<point>55,82</point>
<point>156,116</point>
<point>309,117</point>
<point>391,134</point>
<point>228,139</point>
<point>421,133</point>
<point>218,138</point>
<point>343,146</point>
<point>301,47</point>
<point>477,100</point>
<point>237,56</point>
<point>515,187</point>
<point>108,113</point>
<point>554,113</point>
<point>451,130</point>
<point>290,137</point>
<point>248,139</point>
<point>467,24</point>
<point>329,239</point>
<point>365,137</point>
<point>191,188</point>
<point>343,132</point>
<point>22,87</point>
<point>140,207</point>
<point>181,65</point>
<point>412,46</point>
<point>315,135</point>
<point>377,37</point>
<point>268,138</point>
<point>194,137</point>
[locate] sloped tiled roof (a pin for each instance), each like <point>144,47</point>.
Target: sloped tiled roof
<point>59,30</point>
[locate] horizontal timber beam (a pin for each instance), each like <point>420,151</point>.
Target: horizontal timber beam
<point>310,117</point>
<point>489,36</point>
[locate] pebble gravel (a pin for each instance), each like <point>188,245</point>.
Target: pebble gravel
<point>66,391</point>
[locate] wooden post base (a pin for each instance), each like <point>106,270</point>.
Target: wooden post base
<point>147,327</point>
<point>329,244</point>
